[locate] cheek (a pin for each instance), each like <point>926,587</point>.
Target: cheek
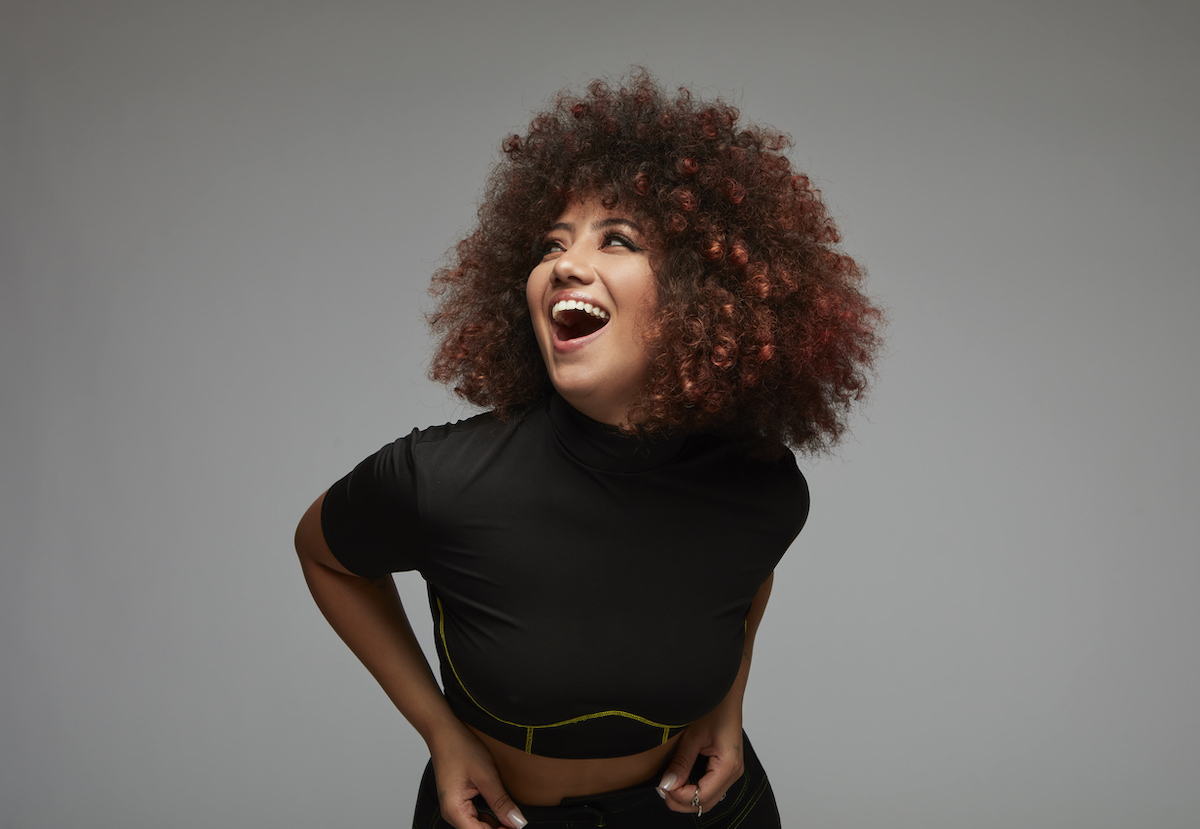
<point>647,286</point>
<point>530,299</point>
<point>533,299</point>
<point>646,303</point>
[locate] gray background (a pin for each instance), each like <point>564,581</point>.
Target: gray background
<point>218,222</point>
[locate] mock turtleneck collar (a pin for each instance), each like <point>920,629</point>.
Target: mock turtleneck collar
<point>603,447</point>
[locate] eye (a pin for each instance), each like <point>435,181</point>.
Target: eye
<point>550,246</point>
<point>616,239</point>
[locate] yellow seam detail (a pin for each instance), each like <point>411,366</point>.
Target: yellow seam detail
<point>529,741</point>
<point>572,721</point>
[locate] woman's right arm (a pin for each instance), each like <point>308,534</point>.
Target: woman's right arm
<point>368,616</point>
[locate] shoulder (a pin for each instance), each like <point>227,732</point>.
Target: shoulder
<point>390,470</point>
<point>773,489</point>
<point>737,460</point>
<point>473,434</point>
<point>788,489</point>
<point>441,459</point>
<point>372,518</point>
<point>480,428</point>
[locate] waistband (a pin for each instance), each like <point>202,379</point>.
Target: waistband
<point>611,808</point>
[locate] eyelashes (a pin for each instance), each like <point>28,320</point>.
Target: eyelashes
<point>624,240</point>
<point>545,247</point>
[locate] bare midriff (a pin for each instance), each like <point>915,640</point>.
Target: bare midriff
<point>533,780</point>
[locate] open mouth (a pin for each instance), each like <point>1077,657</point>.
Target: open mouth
<point>574,319</point>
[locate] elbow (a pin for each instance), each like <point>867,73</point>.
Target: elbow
<point>298,541</point>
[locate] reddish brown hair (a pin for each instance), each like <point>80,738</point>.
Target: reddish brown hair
<point>761,329</point>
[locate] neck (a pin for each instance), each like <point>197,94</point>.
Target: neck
<point>601,411</point>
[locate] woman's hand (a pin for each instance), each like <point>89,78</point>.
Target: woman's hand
<point>463,768</point>
<point>369,617</point>
<point>717,736</point>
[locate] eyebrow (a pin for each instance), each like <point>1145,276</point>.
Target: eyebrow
<point>601,224</point>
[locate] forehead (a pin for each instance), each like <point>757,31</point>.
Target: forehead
<point>588,212</point>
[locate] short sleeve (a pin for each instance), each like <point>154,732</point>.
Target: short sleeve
<point>370,518</point>
<point>805,502</point>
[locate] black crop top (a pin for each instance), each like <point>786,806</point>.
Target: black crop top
<point>589,590</point>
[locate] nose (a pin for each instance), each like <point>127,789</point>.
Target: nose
<point>573,264</point>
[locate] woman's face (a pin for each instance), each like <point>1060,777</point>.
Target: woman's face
<point>591,298</point>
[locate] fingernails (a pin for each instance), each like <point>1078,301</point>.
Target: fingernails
<point>668,781</point>
<point>514,817</point>
<point>661,793</point>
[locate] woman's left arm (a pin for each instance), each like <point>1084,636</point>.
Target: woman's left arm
<point>717,735</point>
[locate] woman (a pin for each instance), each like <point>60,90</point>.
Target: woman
<point>653,309</point>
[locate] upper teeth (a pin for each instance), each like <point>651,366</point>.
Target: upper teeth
<point>576,305</point>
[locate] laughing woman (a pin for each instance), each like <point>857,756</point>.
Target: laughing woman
<point>654,311</point>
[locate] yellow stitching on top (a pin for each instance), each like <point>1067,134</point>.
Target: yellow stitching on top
<point>529,741</point>
<point>453,670</point>
<point>572,721</point>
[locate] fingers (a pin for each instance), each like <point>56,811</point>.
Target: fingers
<point>679,768</point>
<point>723,769</point>
<point>717,780</point>
<point>463,768</point>
<point>502,804</point>
<point>700,797</point>
<point>466,816</point>
<point>458,806</point>
<point>462,815</point>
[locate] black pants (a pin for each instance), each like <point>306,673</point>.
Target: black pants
<point>749,804</point>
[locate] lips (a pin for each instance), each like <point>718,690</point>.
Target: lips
<point>576,319</point>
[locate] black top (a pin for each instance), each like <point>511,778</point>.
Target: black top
<point>589,590</point>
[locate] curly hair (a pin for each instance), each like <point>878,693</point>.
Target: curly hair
<point>761,329</point>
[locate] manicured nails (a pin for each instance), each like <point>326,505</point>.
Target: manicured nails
<point>668,782</point>
<point>514,817</point>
